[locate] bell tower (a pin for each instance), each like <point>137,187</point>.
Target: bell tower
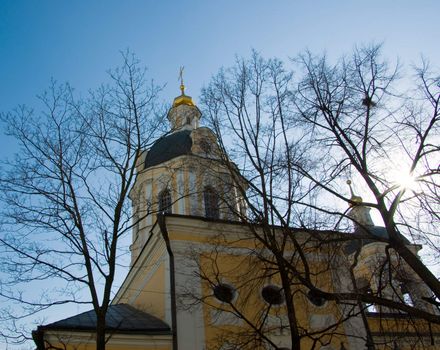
<point>183,174</point>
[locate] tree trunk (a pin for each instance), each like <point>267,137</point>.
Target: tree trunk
<point>100,330</point>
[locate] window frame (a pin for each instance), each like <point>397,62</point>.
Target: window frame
<point>211,203</point>
<point>165,204</point>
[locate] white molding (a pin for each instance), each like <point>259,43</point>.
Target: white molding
<point>167,294</point>
<point>149,199</point>
<point>190,323</point>
<point>192,187</point>
<point>181,192</point>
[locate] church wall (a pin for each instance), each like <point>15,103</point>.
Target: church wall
<point>220,323</point>
<point>391,329</point>
<point>152,294</point>
<point>193,242</point>
<point>147,285</point>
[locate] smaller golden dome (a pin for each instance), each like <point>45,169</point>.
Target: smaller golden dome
<point>183,100</point>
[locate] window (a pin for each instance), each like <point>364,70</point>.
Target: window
<point>371,307</point>
<point>224,292</point>
<point>406,296</point>
<point>211,203</point>
<point>315,300</point>
<point>368,306</point>
<point>205,146</point>
<point>136,222</point>
<point>272,295</point>
<point>165,202</point>
<point>135,218</point>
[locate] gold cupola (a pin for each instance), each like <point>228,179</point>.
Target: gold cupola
<point>183,99</point>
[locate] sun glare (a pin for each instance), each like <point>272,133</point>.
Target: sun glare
<point>404,180</point>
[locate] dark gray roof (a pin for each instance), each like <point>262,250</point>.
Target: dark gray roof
<point>169,147</point>
<point>377,231</point>
<point>121,318</point>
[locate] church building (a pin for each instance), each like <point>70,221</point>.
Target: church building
<point>188,253</point>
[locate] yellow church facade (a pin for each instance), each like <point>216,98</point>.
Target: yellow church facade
<point>193,261</point>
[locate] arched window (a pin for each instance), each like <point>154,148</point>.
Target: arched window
<point>165,202</point>
<point>406,295</point>
<point>273,295</point>
<point>224,292</point>
<point>315,299</point>
<point>370,307</point>
<point>211,203</point>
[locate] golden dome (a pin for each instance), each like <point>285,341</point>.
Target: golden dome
<point>183,100</point>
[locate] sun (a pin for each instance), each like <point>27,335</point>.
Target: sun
<point>407,181</point>
<point>403,179</point>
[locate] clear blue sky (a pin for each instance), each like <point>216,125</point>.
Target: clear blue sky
<point>77,41</point>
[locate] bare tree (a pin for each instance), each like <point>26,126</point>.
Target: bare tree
<point>66,192</point>
<point>296,140</point>
<point>371,130</point>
